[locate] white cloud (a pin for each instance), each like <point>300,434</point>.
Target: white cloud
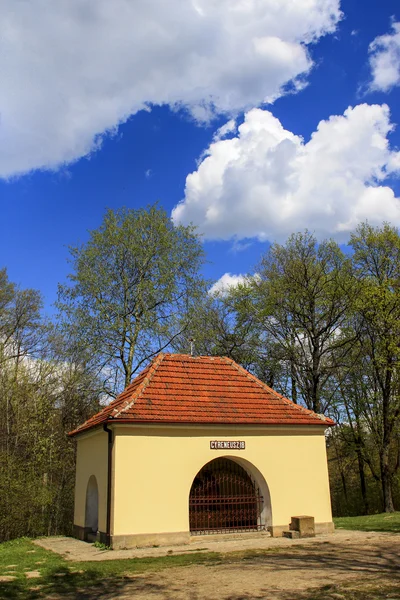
<point>385,60</point>
<point>72,70</point>
<point>226,129</point>
<point>266,182</point>
<point>239,246</point>
<point>225,282</point>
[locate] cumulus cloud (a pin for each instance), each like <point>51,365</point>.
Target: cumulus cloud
<point>226,129</point>
<point>384,60</point>
<point>72,70</point>
<point>267,182</point>
<point>225,282</point>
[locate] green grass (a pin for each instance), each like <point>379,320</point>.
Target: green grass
<point>76,579</point>
<point>108,579</point>
<point>389,522</point>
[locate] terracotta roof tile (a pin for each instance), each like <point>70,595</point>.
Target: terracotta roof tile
<point>178,388</point>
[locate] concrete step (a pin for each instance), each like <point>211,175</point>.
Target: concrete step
<point>292,535</point>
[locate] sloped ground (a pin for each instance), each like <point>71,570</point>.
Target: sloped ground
<point>348,565</point>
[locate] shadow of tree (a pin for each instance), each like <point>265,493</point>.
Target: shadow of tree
<point>375,568</point>
<point>376,559</point>
<point>83,586</point>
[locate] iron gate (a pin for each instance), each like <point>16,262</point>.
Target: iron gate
<point>223,499</point>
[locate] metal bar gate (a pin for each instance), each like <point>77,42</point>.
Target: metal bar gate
<point>224,499</point>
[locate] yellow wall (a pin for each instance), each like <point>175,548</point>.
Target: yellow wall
<point>92,459</point>
<point>154,468</point>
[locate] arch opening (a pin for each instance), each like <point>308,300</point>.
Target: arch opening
<point>225,498</point>
<point>92,506</point>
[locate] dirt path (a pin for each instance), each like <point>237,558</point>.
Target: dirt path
<point>287,573</point>
<point>279,576</point>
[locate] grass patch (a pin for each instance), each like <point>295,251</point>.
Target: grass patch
<point>77,579</point>
<point>101,546</point>
<point>389,522</point>
<point>109,578</point>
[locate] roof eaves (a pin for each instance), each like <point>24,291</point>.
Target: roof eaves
<point>129,403</point>
<point>105,415</point>
<point>230,422</point>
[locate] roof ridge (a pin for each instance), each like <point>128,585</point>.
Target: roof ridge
<point>194,356</point>
<point>142,386</point>
<point>269,389</point>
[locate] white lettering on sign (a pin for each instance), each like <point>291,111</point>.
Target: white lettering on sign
<point>220,445</point>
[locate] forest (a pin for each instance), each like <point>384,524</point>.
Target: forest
<point>319,324</point>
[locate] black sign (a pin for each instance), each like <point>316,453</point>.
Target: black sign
<point>220,445</point>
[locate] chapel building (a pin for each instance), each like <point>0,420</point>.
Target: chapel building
<point>197,445</point>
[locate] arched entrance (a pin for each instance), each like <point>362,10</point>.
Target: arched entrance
<point>92,506</point>
<point>225,498</point>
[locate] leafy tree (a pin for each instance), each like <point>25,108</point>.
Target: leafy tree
<point>377,267</point>
<point>352,386</point>
<point>132,282</point>
<point>22,328</point>
<point>343,461</point>
<point>43,395</point>
<point>268,358</point>
<point>215,331</point>
<point>300,297</point>
<point>220,325</point>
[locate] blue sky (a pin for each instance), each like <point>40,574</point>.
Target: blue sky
<point>108,109</point>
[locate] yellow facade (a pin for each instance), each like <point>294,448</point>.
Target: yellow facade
<point>92,459</point>
<point>153,468</point>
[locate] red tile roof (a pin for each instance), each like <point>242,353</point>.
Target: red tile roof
<point>178,388</point>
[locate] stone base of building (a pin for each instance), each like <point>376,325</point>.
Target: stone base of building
<point>81,533</point>
<point>104,538</point>
<point>233,535</point>
<point>320,528</point>
<point>145,540</point>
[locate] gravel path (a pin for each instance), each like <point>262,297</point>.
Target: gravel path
<point>298,566</point>
<point>75,550</point>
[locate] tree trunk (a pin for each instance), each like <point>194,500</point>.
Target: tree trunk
<point>315,391</point>
<point>386,481</point>
<point>293,381</point>
<point>341,472</point>
<point>362,480</point>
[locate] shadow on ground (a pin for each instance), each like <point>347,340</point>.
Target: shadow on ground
<point>85,588</point>
<point>324,572</point>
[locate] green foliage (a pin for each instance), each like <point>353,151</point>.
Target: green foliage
<point>300,298</point>
<point>101,546</point>
<point>131,284</point>
<point>217,330</point>
<point>380,522</point>
<point>348,463</point>
<point>42,397</point>
<point>377,267</point>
